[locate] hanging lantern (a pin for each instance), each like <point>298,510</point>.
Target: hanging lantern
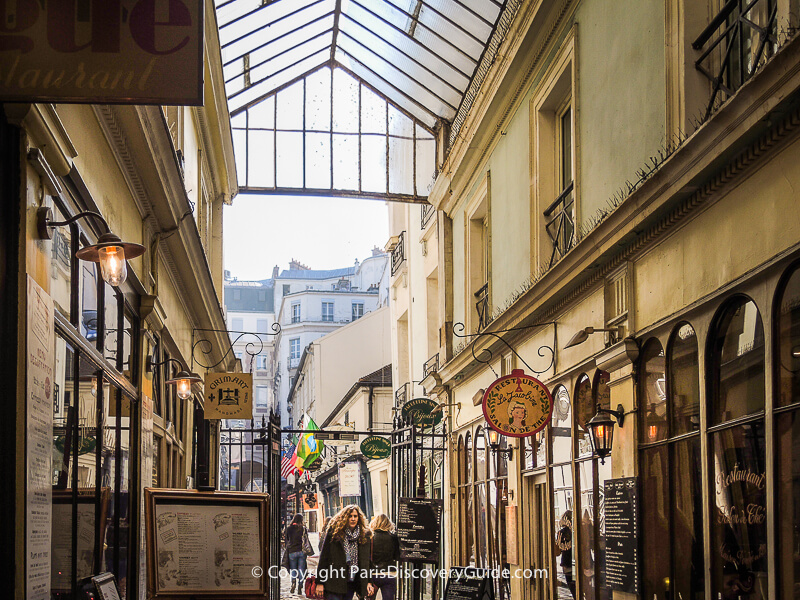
<point>601,430</point>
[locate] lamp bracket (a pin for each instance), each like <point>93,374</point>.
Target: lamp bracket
<point>619,414</point>
<point>151,364</point>
<point>203,346</point>
<point>45,221</point>
<point>486,353</point>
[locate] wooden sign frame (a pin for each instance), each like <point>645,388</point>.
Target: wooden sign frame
<point>224,500</point>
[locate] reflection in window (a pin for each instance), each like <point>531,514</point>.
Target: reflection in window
<point>470,526</point>
<point>738,362</point>
<point>480,497</point>
<point>61,264</point>
<point>563,511</point>
<point>684,381</point>
<point>652,393</point>
<point>585,410</point>
<point>561,426</point>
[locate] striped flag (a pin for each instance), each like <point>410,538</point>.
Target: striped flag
<point>287,464</point>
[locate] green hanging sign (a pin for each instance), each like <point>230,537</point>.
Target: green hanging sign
<point>420,410</point>
<point>376,447</point>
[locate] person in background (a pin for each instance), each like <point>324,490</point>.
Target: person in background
<point>345,556</point>
<point>385,554</point>
<point>564,549</point>
<point>294,535</point>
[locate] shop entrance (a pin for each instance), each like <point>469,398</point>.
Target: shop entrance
<point>539,539</point>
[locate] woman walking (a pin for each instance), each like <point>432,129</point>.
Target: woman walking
<point>295,535</point>
<point>345,557</point>
<point>385,553</point>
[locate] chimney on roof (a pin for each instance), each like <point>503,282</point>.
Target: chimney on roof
<point>227,274</point>
<point>275,272</point>
<point>296,265</point>
<point>376,251</point>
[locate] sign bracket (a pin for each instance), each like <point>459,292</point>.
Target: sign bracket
<point>458,331</point>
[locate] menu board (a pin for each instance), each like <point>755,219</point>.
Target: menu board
<point>468,583</point>
<point>622,534</point>
<point>419,529</point>
<point>206,543</point>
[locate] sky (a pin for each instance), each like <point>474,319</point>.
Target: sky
<point>322,233</point>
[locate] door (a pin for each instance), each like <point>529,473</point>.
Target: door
<point>538,543</point>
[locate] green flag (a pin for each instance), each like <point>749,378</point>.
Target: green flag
<point>308,448</point>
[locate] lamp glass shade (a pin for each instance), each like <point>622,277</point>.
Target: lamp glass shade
<point>113,266</point>
<point>494,437</point>
<point>601,435</point>
<point>184,389</point>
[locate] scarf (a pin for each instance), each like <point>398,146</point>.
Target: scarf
<point>350,543</point>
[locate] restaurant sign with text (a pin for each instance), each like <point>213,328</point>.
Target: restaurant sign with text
<point>229,396</point>
<point>517,405</point>
<point>102,51</point>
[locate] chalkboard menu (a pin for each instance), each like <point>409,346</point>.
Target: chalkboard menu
<point>622,534</point>
<point>419,529</point>
<point>468,583</point>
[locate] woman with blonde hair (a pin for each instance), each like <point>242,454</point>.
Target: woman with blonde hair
<point>345,558</point>
<point>385,553</point>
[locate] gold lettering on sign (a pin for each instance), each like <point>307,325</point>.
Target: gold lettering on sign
<point>741,475</point>
<point>754,514</point>
<point>743,557</point>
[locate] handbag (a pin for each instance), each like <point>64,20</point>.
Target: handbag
<point>285,559</point>
<point>308,549</point>
<point>310,588</point>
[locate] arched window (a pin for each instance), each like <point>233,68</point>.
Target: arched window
<point>737,446</point>
<point>561,426</point>
<point>584,411</point>
<point>684,380</point>
<point>787,434</point>
<point>652,393</point>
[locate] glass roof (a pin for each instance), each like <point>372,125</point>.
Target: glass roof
<point>421,55</point>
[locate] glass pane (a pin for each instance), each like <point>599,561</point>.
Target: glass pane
<point>585,410</point>
<point>373,112</point>
<point>789,342</point>
<point>788,490</point>
<point>655,523</point>
<point>318,160</point>
<point>261,159</point>
<point>480,455</point>
<point>535,449</point>
<point>112,299</point>
<point>684,381</point>
<point>480,525</point>
<point>345,162</point>
<point>561,426</point>
<point>240,154</point>
<point>586,537</point>
<point>290,107</point>
<point>262,115</point>
<point>61,264</point>
<point>289,148</point>
<point>686,532</point>
<point>739,518</point>
<point>401,166</point>
<point>88,295</point>
<point>562,509</point>
<point>373,163</point>
<point>318,100</point>
<point>426,162</point>
<point>738,362</point>
<point>652,393</point>
<point>345,102</point>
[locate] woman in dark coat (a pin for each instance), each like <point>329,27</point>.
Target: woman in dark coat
<point>344,562</point>
<point>385,554</point>
<point>293,536</point>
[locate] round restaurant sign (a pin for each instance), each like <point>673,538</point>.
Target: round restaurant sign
<point>517,405</point>
<point>376,447</point>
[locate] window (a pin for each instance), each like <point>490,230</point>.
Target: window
<point>262,325</point>
<point>477,249</point>
<point>294,349</point>
<point>261,362</point>
<point>358,310</point>
<point>286,288</point>
<point>296,312</point>
<point>237,324</point>
<point>262,397</point>
<point>327,311</point>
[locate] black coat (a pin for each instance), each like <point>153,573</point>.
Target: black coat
<point>385,549</point>
<point>332,571</point>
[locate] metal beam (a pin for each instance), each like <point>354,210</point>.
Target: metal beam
<point>381,196</point>
<point>260,81</point>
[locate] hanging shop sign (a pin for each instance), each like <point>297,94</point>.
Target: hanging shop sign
<point>103,52</point>
<point>376,447</point>
<point>229,396</point>
<point>420,410</point>
<point>349,479</point>
<point>517,405</point>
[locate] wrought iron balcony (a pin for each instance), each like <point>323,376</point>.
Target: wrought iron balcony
<point>426,212</point>
<point>482,305</point>
<point>737,42</point>
<point>398,253</point>
<point>560,223</point>
<point>401,395</point>
<point>431,365</point>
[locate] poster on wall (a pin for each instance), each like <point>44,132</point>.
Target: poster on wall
<point>229,396</point>
<point>349,480</point>
<point>125,51</point>
<point>517,405</point>
<point>40,346</point>
<point>210,544</point>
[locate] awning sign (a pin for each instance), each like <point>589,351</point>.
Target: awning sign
<point>102,51</point>
<point>517,405</point>
<point>229,396</point>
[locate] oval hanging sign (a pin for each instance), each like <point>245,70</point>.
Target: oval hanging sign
<point>517,405</point>
<point>376,447</point>
<point>420,409</point>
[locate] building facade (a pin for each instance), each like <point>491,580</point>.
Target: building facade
<point>638,179</point>
<point>74,473</point>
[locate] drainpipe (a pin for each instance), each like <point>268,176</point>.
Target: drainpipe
<point>370,403</point>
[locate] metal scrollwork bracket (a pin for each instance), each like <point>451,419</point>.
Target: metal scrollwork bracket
<point>544,351</point>
<point>203,347</point>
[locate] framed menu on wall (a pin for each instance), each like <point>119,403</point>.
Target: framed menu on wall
<point>206,544</point>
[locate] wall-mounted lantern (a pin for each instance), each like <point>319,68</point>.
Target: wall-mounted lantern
<point>601,430</point>
<point>182,381</point>
<point>494,442</point>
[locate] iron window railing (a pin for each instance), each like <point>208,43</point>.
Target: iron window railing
<point>431,365</point>
<point>398,253</point>
<point>560,223</point>
<point>401,395</point>
<point>482,306</point>
<point>426,212</point>
<point>737,42</point>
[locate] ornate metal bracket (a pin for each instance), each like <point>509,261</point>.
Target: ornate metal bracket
<point>203,347</point>
<point>458,331</point>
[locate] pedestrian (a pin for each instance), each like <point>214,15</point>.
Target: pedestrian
<point>564,549</point>
<point>344,562</point>
<point>385,554</point>
<point>296,535</point>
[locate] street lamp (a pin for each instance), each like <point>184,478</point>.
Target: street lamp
<point>584,334</point>
<point>110,251</point>
<point>494,442</point>
<point>182,381</point>
<point>601,430</point>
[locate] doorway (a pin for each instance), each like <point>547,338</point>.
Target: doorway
<point>538,545</point>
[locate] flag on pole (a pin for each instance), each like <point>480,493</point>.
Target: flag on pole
<point>308,448</point>
<point>289,460</point>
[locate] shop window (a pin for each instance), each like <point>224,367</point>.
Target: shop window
<point>480,498</point>
<point>737,367</point>
<point>469,521</point>
<point>584,411</point>
<point>561,426</point>
<point>684,381</point>
<point>563,500</point>
<point>787,435</point>
<point>653,393</point>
